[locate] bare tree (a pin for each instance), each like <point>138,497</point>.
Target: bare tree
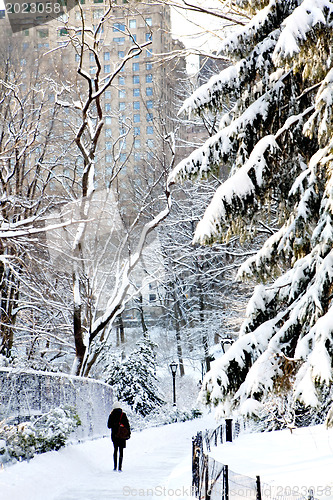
<point>27,141</point>
<point>85,104</point>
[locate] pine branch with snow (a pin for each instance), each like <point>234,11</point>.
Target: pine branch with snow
<point>277,143</point>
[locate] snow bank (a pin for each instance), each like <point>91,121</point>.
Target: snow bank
<point>292,462</point>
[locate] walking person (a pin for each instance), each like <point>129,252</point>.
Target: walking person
<point>120,431</point>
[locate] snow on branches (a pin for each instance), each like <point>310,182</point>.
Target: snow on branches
<point>277,142</point>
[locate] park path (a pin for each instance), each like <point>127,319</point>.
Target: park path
<point>157,464</point>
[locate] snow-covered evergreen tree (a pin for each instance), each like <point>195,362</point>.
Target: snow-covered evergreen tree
<point>277,142</point>
<point>134,380</point>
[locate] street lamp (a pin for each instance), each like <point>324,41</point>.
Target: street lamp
<point>226,344</point>
<point>173,368</point>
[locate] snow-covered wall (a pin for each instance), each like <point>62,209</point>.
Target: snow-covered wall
<point>24,394</point>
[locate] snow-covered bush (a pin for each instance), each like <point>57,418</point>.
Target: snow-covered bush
<point>134,380</point>
<point>171,415</point>
<point>45,433</point>
<point>277,142</point>
<point>165,415</point>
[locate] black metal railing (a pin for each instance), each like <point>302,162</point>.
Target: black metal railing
<point>212,480</point>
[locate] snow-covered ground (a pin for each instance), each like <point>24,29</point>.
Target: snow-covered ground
<point>157,464</point>
<point>292,462</point>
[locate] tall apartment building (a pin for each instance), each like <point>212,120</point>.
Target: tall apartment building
<point>139,104</point>
<point>137,107</point>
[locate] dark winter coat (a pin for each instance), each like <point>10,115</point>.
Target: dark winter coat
<point>113,424</point>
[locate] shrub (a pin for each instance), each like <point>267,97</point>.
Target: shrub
<point>47,432</point>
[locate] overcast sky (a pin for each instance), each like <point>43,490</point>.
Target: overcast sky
<point>196,29</point>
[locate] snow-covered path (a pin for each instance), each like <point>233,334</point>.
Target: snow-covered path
<point>157,463</point>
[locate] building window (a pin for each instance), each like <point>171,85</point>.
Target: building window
<point>98,28</point>
<point>108,146</point>
<point>108,158</point>
<point>150,130</point>
<point>121,80</point>
<point>136,105</point>
<point>136,131</point>
<point>148,37</point>
<point>152,297</point>
<point>149,91</point>
<point>149,117</point>
<point>92,70</point>
<point>106,56</point>
<point>121,94</point>
<point>62,32</point>
<point>107,106</point>
<point>98,1</point>
<point>108,132</point>
<point>107,94</point>
<point>150,104</point>
<point>122,128</point>
<point>107,68</point>
<point>121,54</point>
<point>149,53</point>
<point>149,78</point>
<point>136,79</point>
<point>119,27</point>
<point>136,66</point>
<point>43,33</point>
<point>150,143</point>
<point>119,39</point>
<point>122,106</point>
<point>91,57</point>
<point>132,24</point>
<point>149,66</point>
<point>137,143</point>
<point>97,13</point>
<point>108,120</point>
<point>123,158</point>
<point>77,58</point>
<point>136,118</point>
<point>149,21</point>
<point>136,92</point>
<point>137,157</point>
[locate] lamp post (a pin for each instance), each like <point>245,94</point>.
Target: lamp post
<point>173,368</point>
<point>226,343</point>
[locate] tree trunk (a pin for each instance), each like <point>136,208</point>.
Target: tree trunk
<point>120,330</point>
<point>178,337</point>
<point>9,298</point>
<point>205,340</point>
<point>142,317</point>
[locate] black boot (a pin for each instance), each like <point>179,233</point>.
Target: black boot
<point>115,460</point>
<point>120,463</point>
